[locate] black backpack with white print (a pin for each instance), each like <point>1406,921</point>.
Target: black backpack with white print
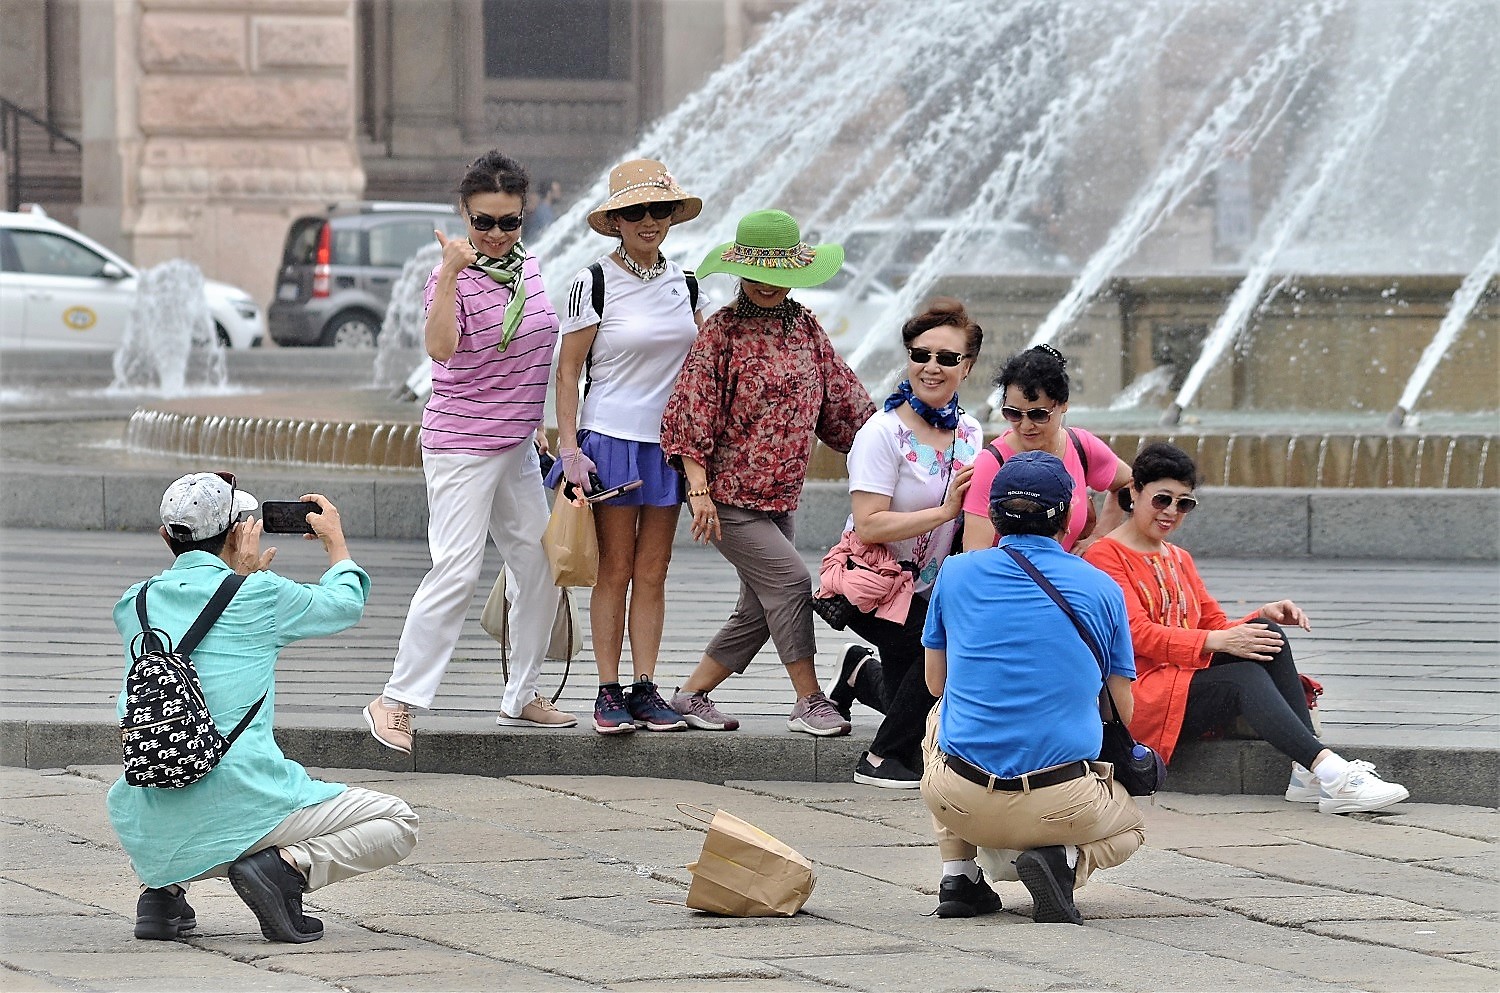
<point>167,736</point>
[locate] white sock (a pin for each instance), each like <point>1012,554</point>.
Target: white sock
<point>1330,769</point>
<point>1070,852</point>
<point>392,704</point>
<point>964,867</point>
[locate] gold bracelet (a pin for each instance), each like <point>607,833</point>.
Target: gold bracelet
<point>697,493</point>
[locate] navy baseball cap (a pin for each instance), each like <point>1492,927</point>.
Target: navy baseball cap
<point>1036,476</point>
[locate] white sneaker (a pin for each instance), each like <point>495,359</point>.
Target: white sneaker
<point>1359,788</point>
<point>1304,787</point>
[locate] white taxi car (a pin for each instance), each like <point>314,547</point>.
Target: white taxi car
<point>61,289</point>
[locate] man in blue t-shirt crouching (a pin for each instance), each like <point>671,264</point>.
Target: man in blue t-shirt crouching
<point>1010,749</point>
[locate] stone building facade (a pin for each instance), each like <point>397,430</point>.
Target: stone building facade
<point>207,125</point>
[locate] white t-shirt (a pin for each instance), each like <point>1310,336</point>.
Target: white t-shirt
<point>888,459</point>
<point>638,351</point>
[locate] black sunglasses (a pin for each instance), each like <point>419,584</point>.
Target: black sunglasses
<point>483,222</point>
<point>233,482</point>
<point>922,356</point>
<point>1037,415</point>
<point>637,212</point>
<point>1185,504</point>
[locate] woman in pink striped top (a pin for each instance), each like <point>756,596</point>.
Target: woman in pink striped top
<point>490,332</point>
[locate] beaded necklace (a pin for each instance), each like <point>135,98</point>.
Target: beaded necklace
<point>644,273</point>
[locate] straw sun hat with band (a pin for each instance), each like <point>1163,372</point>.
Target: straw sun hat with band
<point>768,248</point>
<point>642,181</point>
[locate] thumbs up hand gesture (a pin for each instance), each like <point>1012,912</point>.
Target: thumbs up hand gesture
<point>458,254</point>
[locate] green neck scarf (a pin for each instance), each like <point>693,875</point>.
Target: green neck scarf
<point>507,272</point>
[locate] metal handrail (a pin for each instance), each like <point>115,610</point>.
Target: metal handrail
<point>11,117</point>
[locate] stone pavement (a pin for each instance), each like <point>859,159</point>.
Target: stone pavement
<point>1407,653</point>
<point>559,883</point>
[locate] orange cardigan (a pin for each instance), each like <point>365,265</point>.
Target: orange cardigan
<point>1171,614</point>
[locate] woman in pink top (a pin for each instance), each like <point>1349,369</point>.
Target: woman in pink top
<point>490,332</point>
<point>1035,389</point>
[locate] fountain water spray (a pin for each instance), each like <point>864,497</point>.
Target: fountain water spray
<point>1291,213</point>
<point>169,341</point>
<point>1465,298</point>
<point>1288,66</point>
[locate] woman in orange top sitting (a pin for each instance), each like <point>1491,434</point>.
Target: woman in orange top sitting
<point>1196,669</point>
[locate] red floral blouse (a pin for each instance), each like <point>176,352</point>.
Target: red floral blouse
<point>750,397</point>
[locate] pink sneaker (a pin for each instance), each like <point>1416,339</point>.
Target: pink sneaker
<point>816,714</point>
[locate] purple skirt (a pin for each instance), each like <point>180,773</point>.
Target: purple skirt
<point>618,461</point>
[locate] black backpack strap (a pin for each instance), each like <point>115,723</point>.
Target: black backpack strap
<point>152,642</point>
<point>692,283</point>
<point>244,721</point>
<point>598,273</point>
<point>1083,457</point>
<point>216,604</point>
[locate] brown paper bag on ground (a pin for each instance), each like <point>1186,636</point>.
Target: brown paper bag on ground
<point>745,872</point>
<point>572,544</point>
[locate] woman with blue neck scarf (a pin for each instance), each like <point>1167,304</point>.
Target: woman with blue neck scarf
<point>908,472</point>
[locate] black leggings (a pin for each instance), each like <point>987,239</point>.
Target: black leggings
<point>1268,695</point>
<point>896,683</point>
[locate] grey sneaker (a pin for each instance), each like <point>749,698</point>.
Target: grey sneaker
<point>816,714</point>
<point>698,710</point>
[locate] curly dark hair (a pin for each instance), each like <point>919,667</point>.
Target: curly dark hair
<point>494,172</point>
<point>944,312</point>
<point>1035,371</point>
<point>1159,460</point>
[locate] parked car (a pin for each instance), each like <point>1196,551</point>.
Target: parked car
<point>62,289</point>
<point>337,269</point>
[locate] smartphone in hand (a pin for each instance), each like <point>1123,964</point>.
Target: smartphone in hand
<point>287,516</point>
<point>613,491</point>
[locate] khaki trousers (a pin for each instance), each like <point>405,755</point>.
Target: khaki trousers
<point>1092,812</point>
<point>356,832</point>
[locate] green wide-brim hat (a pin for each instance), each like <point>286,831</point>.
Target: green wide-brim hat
<point>768,248</point>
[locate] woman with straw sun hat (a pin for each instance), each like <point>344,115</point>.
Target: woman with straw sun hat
<point>630,319</point>
<point>760,380</point>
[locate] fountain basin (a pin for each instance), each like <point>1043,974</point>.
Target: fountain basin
<point>364,429</point>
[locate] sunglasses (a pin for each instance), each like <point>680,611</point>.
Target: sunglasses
<point>637,212</point>
<point>484,222</point>
<point>1037,415</point>
<point>1185,504</point>
<point>922,356</point>
<point>229,478</point>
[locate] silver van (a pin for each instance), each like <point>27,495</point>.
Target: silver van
<point>337,269</point>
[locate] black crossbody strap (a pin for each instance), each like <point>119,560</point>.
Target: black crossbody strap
<point>1067,608</point>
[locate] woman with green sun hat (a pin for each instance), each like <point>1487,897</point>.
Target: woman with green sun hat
<point>759,382</point>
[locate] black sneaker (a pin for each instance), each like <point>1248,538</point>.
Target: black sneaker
<point>1047,877</point>
<point>960,896</point>
<point>648,710</point>
<point>161,915</point>
<point>273,891</point>
<point>890,774</point>
<point>841,690</point>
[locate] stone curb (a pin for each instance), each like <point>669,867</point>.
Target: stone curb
<point>762,749</point>
<point>1429,524</point>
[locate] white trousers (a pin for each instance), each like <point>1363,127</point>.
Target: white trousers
<point>355,832</point>
<point>468,495</point>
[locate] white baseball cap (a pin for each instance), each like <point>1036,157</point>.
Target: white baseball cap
<point>203,504</point>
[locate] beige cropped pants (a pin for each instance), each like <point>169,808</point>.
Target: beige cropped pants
<point>356,832</point>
